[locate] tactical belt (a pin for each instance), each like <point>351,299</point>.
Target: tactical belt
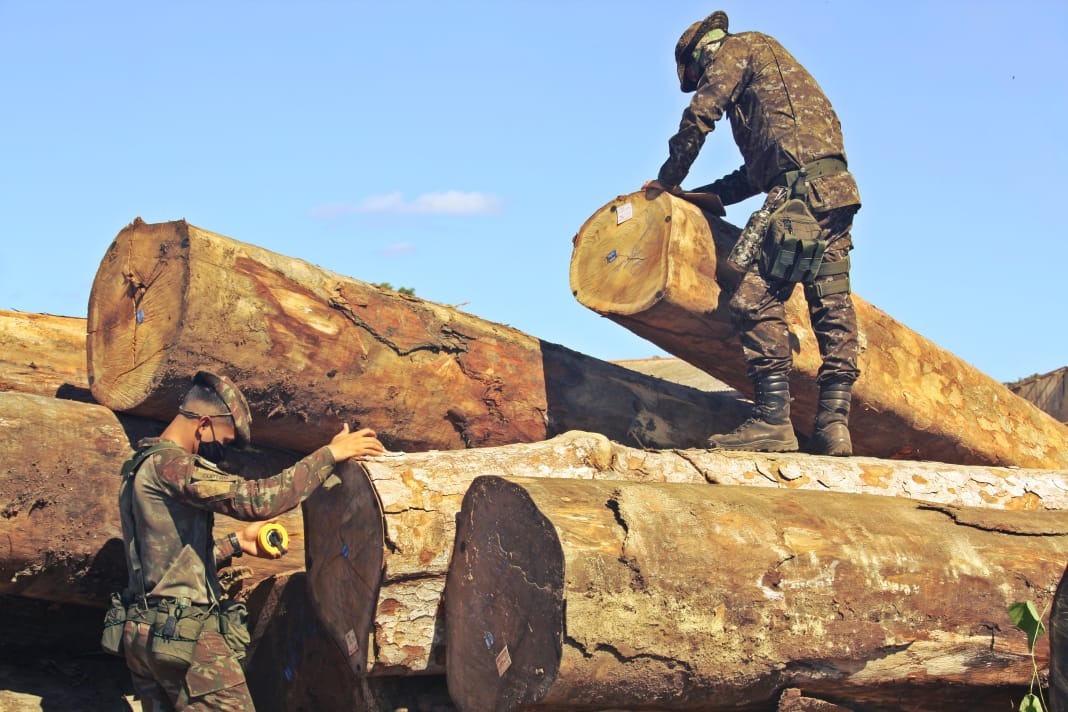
<point>837,284</point>
<point>797,180</point>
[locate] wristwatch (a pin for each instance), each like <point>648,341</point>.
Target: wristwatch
<point>236,544</point>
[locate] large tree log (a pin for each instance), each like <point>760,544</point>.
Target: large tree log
<point>43,354</point>
<point>569,594</point>
<point>662,274</point>
<point>312,349</point>
<point>419,495</point>
<point>293,665</point>
<point>59,513</point>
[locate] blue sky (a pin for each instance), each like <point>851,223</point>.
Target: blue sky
<point>456,147</point>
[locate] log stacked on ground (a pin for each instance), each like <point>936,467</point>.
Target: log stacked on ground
<point>59,483</point>
<point>43,354</point>
<point>420,495</point>
<point>569,594</point>
<point>662,274</point>
<point>312,349</point>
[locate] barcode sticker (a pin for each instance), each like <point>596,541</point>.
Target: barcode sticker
<point>624,213</point>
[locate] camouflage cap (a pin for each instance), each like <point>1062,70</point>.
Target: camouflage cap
<point>235,403</point>
<point>684,48</point>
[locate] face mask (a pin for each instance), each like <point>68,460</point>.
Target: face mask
<point>213,451</point>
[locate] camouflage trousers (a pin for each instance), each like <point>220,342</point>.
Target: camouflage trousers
<point>759,316</point>
<point>214,681</point>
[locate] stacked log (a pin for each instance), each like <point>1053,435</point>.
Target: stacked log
<point>569,594</point>
<point>59,489</point>
<point>407,534</point>
<point>658,268</point>
<point>313,349</point>
<point>43,354</point>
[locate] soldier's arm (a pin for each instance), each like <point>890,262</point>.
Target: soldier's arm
<point>731,188</point>
<point>722,82</point>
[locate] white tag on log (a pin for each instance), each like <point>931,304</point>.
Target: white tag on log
<point>504,661</point>
<point>624,213</point>
<point>350,642</point>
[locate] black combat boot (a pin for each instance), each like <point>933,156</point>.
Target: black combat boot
<point>831,435</point>
<point>768,429</point>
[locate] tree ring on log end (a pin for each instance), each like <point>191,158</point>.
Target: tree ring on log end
<point>507,558</point>
<point>617,265</point>
<point>344,533</point>
<point>136,308</point>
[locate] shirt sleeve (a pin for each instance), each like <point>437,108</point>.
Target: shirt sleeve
<point>719,86</point>
<point>731,188</point>
<point>193,482</point>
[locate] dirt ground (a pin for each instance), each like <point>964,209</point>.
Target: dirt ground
<point>50,661</point>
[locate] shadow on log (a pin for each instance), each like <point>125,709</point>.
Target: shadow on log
<point>312,349</point>
<point>571,594</point>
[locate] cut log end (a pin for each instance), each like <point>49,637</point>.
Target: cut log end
<point>344,545</point>
<point>506,600</point>
<point>135,310</point>
<point>617,264</point>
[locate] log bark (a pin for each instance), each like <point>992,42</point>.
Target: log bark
<point>59,516</point>
<point>663,275</point>
<point>43,354</point>
<point>569,594</point>
<point>418,496</point>
<point>312,349</point>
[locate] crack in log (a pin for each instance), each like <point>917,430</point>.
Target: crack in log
<point>670,662</point>
<point>458,345</point>
<point>685,457</point>
<point>548,587</point>
<point>1011,523</point>
<point>412,576</point>
<point>637,578</point>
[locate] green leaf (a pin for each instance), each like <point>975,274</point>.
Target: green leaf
<point>1031,703</point>
<point>1025,617</point>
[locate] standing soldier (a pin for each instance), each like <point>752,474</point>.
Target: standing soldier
<point>182,643</point>
<point>791,141</point>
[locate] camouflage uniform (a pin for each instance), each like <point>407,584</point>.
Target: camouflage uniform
<point>174,496</point>
<point>781,121</point>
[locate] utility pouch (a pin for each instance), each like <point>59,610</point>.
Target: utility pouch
<point>793,250</point>
<point>114,620</point>
<point>233,624</point>
<point>174,633</point>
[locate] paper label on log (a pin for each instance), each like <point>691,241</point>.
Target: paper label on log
<point>350,642</point>
<point>504,661</point>
<point>624,213</point>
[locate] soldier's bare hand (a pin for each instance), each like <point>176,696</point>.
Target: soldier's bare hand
<point>360,443</point>
<point>250,542</point>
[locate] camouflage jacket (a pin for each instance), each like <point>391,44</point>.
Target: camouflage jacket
<point>780,118</point>
<point>173,497</point>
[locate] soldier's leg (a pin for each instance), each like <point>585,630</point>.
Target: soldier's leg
<point>152,694</point>
<point>760,320</point>
<point>215,680</point>
<point>834,323</point>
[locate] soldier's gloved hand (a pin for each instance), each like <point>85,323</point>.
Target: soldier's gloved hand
<point>653,189</point>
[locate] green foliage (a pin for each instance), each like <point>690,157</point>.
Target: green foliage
<point>407,291</point>
<point>1026,617</point>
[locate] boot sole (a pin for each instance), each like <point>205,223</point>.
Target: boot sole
<point>759,446</point>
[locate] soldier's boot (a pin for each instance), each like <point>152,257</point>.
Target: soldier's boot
<point>768,429</point>
<point>831,434</point>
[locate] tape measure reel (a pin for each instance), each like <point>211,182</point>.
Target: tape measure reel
<point>274,539</point>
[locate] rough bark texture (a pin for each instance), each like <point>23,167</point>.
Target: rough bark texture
<point>662,274</point>
<point>43,354</point>
<point>570,594</point>
<point>420,495</point>
<point>312,349</point>
<point>59,522</point>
